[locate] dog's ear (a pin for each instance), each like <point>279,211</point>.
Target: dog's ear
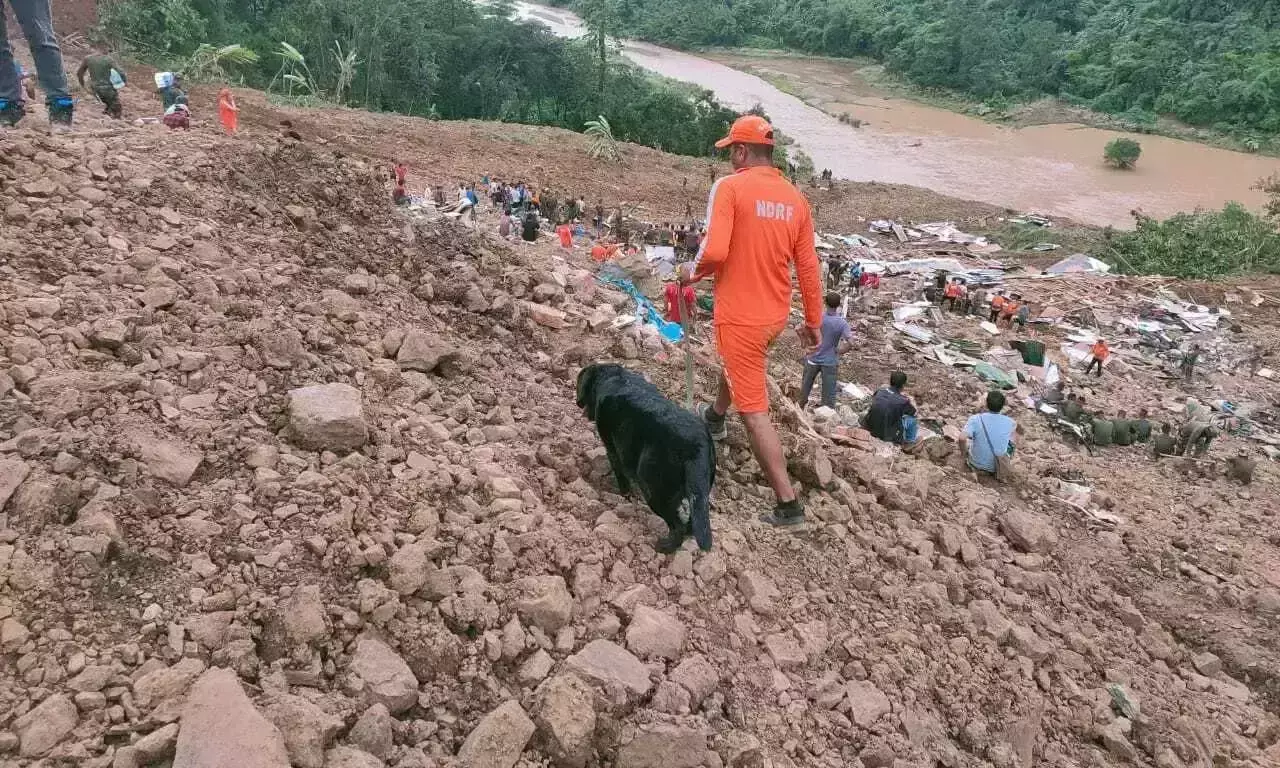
<point>586,383</point>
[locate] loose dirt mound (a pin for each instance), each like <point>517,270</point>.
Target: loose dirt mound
<point>252,418</point>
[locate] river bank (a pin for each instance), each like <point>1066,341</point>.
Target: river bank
<point>1052,169</point>
<point>793,73</point>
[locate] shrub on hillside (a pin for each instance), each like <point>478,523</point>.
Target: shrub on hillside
<point>1122,153</point>
<point>1203,244</point>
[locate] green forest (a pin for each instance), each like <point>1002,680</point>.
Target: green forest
<point>1213,63</point>
<point>452,59</point>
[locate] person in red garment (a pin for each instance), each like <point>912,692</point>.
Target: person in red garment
<point>676,297</point>
<point>758,226</point>
<point>565,233</point>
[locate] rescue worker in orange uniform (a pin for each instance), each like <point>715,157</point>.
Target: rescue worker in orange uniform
<point>997,304</point>
<point>1100,352</point>
<point>758,226</point>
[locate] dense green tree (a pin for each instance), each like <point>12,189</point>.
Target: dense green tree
<point>1206,62</point>
<point>455,59</point>
<point>1122,152</point>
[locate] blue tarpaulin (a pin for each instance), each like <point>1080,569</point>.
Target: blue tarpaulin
<point>645,311</point>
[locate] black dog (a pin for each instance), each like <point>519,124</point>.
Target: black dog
<point>657,445</point>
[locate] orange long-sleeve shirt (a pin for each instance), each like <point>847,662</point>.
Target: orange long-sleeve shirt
<point>758,225</point>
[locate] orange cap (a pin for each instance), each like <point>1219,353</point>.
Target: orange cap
<point>748,129</point>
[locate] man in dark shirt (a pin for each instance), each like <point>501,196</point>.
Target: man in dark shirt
<point>888,409</point>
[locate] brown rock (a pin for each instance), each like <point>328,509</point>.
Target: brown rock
<point>664,746</point>
<point>499,739</point>
<point>566,720</point>
<point>327,417</point>
<point>1028,531</point>
<point>607,663</point>
<point>220,727</point>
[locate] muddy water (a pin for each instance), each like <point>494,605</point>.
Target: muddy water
<point>1052,169</point>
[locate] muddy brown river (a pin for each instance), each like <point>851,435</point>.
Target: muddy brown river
<point>1050,169</point>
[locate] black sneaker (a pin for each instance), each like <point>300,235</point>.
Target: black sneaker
<point>786,514</point>
<point>10,112</point>
<point>715,422</point>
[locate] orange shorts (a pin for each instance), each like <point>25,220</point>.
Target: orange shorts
<point>744,350</point>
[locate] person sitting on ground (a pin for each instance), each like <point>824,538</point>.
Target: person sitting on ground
<point>892,414</point>
<point>837,338</point>
<point>989,435</point>
<point>1122,430</point>
<point>1100,352</point>
<point>505,222</point>
<point>1071,409</point>
<point>99,67</point>
<point>172,94</point>
<point>1103,432</point>
<point>530,226</point>
<point>1164,443</point>
<point>1142,426</point>
<point>178,116</point>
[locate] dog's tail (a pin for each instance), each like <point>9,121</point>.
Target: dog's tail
<point>698,477</point>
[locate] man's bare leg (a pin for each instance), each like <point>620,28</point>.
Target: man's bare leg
<point>768,452</point>
<point>723,397</point>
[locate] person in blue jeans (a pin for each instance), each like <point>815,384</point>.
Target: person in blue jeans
<point>835,338</point>
<point>36,20</point>
<point>989,434</point>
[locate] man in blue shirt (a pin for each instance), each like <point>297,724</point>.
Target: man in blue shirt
<point>989,434</point>
<point>836,338</point>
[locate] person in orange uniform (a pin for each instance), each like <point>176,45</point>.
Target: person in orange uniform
<point>997,304</point>
<point>758,225</point>
<point>229,113</point>
<point>1100,352</point>
<point>1008,309</point>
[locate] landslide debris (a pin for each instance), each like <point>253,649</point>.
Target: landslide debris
<point>274,458</point>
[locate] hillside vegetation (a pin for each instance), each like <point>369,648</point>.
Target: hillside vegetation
<point>1207,62</point>
<point>451,59</point>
